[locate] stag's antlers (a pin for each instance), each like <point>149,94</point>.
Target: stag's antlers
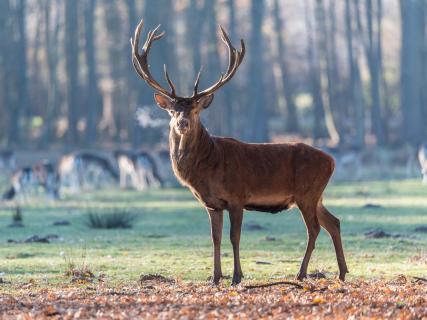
<point>141,66</point>
<point>140,61</point>
<point>235,58</point>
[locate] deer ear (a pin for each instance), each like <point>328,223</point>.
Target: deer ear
<point>205,101</point>
<point>163,101</point>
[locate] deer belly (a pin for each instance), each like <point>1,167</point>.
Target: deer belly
<point>272,204</point>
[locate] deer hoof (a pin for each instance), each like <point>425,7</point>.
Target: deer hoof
<point>236,280</point>
<point>301,276</point>
<point>214,280</point>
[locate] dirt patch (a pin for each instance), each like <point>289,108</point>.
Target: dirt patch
<point>268,238</point>
<point>372,206</point>
<point>421,229</point>
<point>154,278</point>
<point>36,239</point>
<point>16,225</point>
<point>252,226</point>
<point>61,223</point>
<point>376,234</point>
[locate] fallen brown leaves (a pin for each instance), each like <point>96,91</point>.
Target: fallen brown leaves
<point>402,297</point>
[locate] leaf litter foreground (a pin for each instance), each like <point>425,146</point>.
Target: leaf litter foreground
<point>159,297</point>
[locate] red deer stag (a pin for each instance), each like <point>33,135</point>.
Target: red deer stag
<point>226,174</point>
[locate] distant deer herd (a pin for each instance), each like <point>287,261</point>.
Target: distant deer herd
<point>222,173</point>
<point>83,170</point>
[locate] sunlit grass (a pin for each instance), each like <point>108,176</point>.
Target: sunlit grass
<point>171,236</point>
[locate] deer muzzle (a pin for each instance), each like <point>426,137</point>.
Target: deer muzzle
<point>183,126</point>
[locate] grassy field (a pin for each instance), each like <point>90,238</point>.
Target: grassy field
<point>171,237</point>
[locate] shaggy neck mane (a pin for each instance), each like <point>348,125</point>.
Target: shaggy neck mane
<point>191,151</point>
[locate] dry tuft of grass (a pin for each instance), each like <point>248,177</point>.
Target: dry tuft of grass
<point>78,272</point>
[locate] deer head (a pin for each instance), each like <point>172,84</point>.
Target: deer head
<point>184,111</point>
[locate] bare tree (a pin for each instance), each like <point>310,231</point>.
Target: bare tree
<point>16,69</point>
<point>231,91</point>
<point>319,130</point>
<point>136,92</point>
<point>257,130</point>
<point>71,66</point>
<point>355,83</point>
<point>218,115</point>
<point>4,57</point>
<point>52,27</point>
<point>413,24</point>
<point>325,70</point>
<point>194,32</point>
<point>288,90</point>
<point>371,43</point>
<point>93,96</point>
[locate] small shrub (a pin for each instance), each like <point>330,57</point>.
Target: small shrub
<point>111,220</point>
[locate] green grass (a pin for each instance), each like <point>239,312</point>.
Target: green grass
<point>171,236</point>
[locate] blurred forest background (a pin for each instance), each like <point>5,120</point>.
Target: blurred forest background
<point>344,72</point>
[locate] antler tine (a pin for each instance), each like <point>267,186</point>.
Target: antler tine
<point>231,50</point>
<point>235,58</point>
<point>171,85</point>
<point>196,83</point>
<point>135,44</point>
<point>140,61</point>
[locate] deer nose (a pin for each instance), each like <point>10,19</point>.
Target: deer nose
<point>183,124</point>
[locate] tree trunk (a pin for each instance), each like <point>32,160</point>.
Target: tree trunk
<point>93,96</point>
<point>231,89</point>
<point>412,43</point>
<point>291,120</point>
<point>324,66</point>
<point>374,71</point>
<point>217,114</point>
<point>257,130</point>
<point>194,33</point>
<point>384,93</point>
<point>319,130</point>
<point>71,67</point>
<point>136,87</point>
<point>17,74</point>
<point>371,45</point>
<point>355,82</point>
<point>51,41</point>
<point>4,60</point>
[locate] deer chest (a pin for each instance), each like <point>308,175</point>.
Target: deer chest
<point>209,201</point>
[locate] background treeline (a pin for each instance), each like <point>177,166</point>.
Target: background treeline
<point>351,72</point>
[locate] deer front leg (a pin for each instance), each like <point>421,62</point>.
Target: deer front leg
<point>236,217</point>
<point>216,219</point>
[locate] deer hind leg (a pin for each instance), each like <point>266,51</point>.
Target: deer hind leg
<point>122,178</point>
<point>308,213</point>
<point>332,225</point>
<point>216,219</point>
<point>236,218</point>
